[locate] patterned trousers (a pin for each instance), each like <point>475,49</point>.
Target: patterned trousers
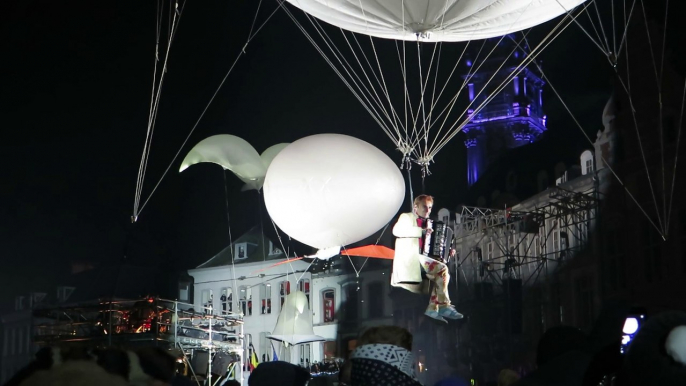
<point>437,272</point>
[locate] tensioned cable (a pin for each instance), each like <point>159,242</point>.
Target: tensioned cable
<point>605,161</point>
<point>458,127</point>
<point>228,223</point>
<point>357,95</point>
<point>155,97</point>
<point>531,57</point>
<point>481,106</point>
<point>676,155</point>
<point>627,88</point>
<point>202,114</point>
<point>658,79</point>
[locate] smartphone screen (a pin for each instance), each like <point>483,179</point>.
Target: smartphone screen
<point>632,325</point>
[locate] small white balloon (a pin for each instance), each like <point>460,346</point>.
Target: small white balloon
<point>675,344</point>
<point>331,190</point>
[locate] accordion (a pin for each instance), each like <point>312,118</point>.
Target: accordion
<point>437,244</point>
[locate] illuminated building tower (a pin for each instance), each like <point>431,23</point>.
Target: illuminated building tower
<point>513,118</point>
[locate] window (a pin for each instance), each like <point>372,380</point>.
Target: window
<point>265,347</point>
<point>249,349</point>
<point>265,299</point>
<point>489,251</point>
<point>184,292</point>
<point>226,300</point>
<point>304,286</point>
<point>329,304</point>
<point>305,355</point>
<point>245,300</point>
<point>273,250</point>
<point>241,251</point>
<point>206,299</point>
<point>351,301</point>
<point>284,290</point>
<point>556,240</point>
<point>20,340</point>
<point>375,303</point>
<point>537,242</point>
<point>330,349</point>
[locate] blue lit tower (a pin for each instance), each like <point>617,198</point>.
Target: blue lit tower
<point>513,118</point>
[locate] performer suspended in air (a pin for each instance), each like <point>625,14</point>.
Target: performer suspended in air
<point>412,254</point>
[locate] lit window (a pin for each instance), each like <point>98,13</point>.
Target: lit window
<point>304,287</point>
<point>284,289</point>
<point>206,299</point>
<point>266,299</point>
<point>241,251</point>
<point>305,355</point>
<point>329,304</point>
<point>246,300</point>
<point>226,300</point>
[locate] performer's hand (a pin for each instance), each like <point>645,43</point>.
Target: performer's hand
<point>429,231</point>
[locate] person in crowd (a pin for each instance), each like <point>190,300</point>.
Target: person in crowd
<point>278,373</point>
<point>383,357</point>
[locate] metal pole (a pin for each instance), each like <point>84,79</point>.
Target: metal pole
<point>209,371</point>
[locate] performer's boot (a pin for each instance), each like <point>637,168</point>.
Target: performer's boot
<point>449,312</point>
<point>435,315</point>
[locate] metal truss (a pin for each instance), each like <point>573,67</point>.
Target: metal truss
<point>150,321</point>
<point>523,241</point>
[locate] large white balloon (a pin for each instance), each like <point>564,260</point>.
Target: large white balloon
<point>331,190</point>
<point>435,20</point>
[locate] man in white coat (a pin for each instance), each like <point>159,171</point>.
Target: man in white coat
<point>411,230</point>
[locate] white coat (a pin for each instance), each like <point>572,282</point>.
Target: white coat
<point>407,269</point>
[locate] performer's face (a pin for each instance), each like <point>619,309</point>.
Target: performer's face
<point>424,209</point>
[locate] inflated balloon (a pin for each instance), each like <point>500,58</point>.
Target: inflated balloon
<point>294,325</point>
<point>235,154</point>
<point>435,20</point>
<point>331,190</point>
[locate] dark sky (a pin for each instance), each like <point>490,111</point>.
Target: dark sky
<point>76,81</point>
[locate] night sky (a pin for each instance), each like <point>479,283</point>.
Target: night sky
<point>76,82</point>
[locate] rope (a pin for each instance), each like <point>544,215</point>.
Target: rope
<point>228,222</point>
<point>154,99</point>
<point>676,155</point>
<point>530,58</point>
<point>202,114</point>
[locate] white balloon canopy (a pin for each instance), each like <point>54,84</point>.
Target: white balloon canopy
<point>435,20</point>
<point>331,190</point>
<point>235,154</point>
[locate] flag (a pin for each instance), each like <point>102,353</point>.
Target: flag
<point>253,359</point>
<point>274,357</point>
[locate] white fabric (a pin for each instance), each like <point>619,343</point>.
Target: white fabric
<point>331,190</point>
<point>294,325</point>
<point>435,20</point>
<point>407,272</point>
<point>675,344</point>
<point>235,154</point>
<point>395,356</point>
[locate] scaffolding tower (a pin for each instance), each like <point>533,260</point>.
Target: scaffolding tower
<point>523,241</point>
<point>173,325</point>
